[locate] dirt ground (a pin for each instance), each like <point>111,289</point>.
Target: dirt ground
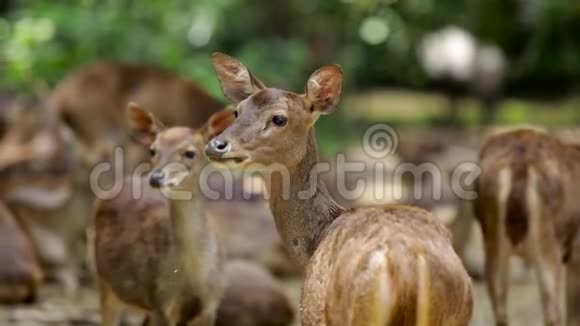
<point>55,309</point>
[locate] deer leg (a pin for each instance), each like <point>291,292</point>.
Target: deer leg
<point>550,273</point>
<point>67,277</point>
<point>110,305</point>
<point>497,271</point>
<point>573,290</point>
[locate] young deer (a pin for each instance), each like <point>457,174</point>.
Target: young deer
<point>528,204</point>
<point>169,247</point>
<point>171,266</point>
<point>392,265</point>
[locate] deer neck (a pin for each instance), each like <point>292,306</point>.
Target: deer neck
<point>191,234</point>
<point>302,207</point>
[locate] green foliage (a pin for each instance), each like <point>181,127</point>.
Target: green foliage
<point>283,41</point>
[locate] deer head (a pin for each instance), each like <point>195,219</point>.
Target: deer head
<point>30,133</point>
<point>176,153</point>
<point>271,125</point>
<point>37,155</point>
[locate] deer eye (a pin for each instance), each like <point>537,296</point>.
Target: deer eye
<point>279,120</point>
<point>236,114</point>
<point>152,152</point>
<point>189,154</point>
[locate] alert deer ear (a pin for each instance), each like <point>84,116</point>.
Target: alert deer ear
<point>236,80</point>
<point>143,124</point>
<point>323,89</point>
<point>218,122</point>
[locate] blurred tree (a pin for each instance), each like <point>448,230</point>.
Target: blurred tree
<point>374,40</point>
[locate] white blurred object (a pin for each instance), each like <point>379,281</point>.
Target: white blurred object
<point>454,53</point>
<point>449,53</point>
<point>202,28</point>
<point>460,64</point>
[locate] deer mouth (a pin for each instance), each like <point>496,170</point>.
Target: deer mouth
<point>231,159</point>
<point>223,154</point>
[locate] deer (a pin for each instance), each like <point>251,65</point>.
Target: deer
<point>45,185</point>
<point>39,187</point>
<point>20,271</point>
<point>391,265</point>
<point>527,206</point>
<point>573,286</point>
<point>170,246</point>
<point>90,100</point>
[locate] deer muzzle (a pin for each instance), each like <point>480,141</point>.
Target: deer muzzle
<point>216,148</point>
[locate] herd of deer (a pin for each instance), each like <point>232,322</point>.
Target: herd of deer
<point>175,259</point>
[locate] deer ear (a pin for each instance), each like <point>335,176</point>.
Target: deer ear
<point>143,124</point>
<point>236,80</point>
<point>219,122</point>
<point>324,87</point>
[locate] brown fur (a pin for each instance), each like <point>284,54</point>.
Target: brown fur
<point>253,298</point>
<point>134,237</point>
<point>539,179</point>
<point>573,286</point>
<point>364,266</point>
<point>92,100</point>
<point>20,272</point>
<point>143,227</point>
<point>165,261</point>
<point>140,225</point>
<point>46,188</point>
<point>248,232</point>
<point>39,186</point>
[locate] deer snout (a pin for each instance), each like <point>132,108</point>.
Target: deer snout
<point>216,148</point>
<point>156,179</point>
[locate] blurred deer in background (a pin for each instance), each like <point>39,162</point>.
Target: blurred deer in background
<point>20,272</point>
<point>170,247</point>
<point>40,186</point>
<point>528,204</point>
<point>572,138</point>
<point>573,286</point>
<point>253,298</point>
<point>391,265</point>
<point>91,100</point>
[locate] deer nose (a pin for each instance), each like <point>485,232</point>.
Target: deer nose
<point>156,178</point>
<point>220,145</point>
<point>217,147</point>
